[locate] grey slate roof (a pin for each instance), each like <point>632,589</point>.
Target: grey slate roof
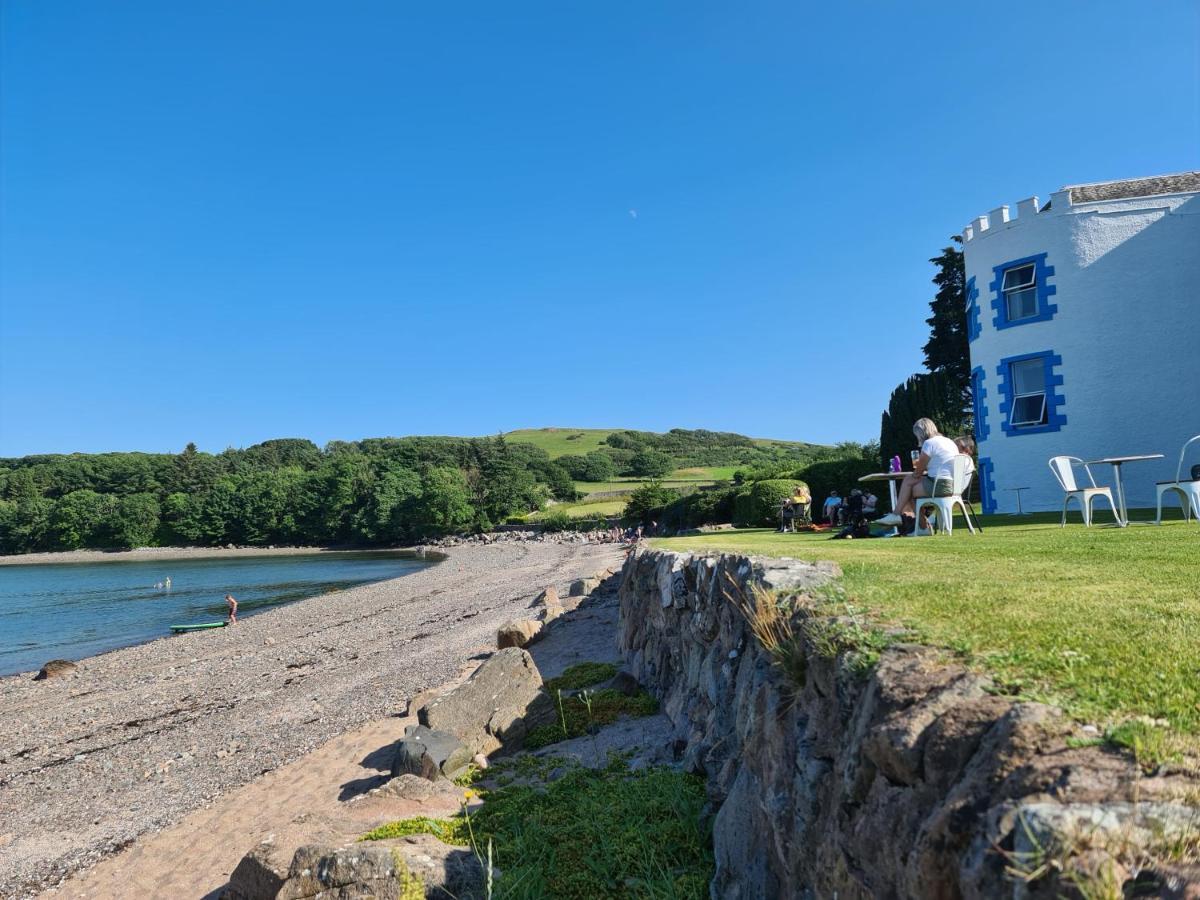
<point>1180,183</point>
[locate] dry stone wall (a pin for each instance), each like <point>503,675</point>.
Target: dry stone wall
<point>909,778</point>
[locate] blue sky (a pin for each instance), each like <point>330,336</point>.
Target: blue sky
<point>224,222</point>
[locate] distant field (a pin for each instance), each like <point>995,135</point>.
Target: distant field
<point>562,441</point>
<point>586,508</point>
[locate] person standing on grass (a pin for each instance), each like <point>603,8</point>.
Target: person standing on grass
<point>232,604</point>
<point>832,504</point>
<point>935,462</point>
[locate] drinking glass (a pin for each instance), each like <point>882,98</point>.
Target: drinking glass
<point>915,454</point>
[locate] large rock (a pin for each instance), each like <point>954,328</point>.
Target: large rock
<point>408,868</point>
<point>496,706</point>
<point>429,754</point>
<point>56,668</point>
<point>548,605</point>
<point>357,872</point>
<point>581,587</point>
<point>260,874</point>
<point>520,633</point>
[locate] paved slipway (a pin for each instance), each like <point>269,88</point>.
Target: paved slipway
<point>138,739</point>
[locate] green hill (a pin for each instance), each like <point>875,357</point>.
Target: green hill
<point>562,441</point>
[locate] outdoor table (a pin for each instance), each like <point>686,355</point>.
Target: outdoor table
<point>1019,512</point>
<point>892,478</point>
<point>1116,462</point>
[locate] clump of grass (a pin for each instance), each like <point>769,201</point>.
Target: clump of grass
<point>1153,744</point>
<point>772,625</point>
<point>577,714</point>
<point>449,831</point>
<point>579,676</point>
<point>593,833</point>
<point>860,645</point>
<point>600,834</point>
<point>468,776</point>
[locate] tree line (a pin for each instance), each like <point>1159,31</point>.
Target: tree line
<point>288,491</point>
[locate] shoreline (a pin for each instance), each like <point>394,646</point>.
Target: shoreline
<point>146,554</point>
<point>138,738</point>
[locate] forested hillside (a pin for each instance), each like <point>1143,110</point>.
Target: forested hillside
<point>372,492</point>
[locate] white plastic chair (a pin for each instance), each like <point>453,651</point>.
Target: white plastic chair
<point>1188,489</point>
<point>1061,466</point>
<point>960,481</point>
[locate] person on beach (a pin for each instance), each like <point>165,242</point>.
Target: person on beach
<point>232,604</point>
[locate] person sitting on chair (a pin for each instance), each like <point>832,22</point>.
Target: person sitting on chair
<point>932,475</point>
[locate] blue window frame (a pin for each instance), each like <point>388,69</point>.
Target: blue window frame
<point>987,485</point>
<point>1031,399</point>
<point>1021,292</point>
<point>974,329</point>
<point>978,407</point>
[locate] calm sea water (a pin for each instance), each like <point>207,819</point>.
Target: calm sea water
<point>80,609</point>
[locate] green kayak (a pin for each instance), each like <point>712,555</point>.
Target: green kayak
<point>181,628</point>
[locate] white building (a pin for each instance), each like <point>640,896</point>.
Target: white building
<point>1084,325</point>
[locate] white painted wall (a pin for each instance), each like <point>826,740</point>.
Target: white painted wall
<point>1127,274</point>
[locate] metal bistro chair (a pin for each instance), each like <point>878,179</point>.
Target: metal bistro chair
<point>1187,489</point>
<point>1061,466</point>
<point>960,482</point>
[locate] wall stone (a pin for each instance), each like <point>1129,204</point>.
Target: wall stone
<point>908,780</point>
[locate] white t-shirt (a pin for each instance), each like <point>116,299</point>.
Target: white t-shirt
<point>941,452</point>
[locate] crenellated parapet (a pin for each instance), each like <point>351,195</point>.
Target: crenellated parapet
<point>1001,218</point>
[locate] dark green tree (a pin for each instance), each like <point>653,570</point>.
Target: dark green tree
<point>947,351</point>
<point>931,395</point>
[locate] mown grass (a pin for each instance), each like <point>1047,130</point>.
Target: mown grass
<point>1104,622</point>
<point>588,834</point>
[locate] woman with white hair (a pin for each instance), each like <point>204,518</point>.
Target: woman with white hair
<point>935,462</point>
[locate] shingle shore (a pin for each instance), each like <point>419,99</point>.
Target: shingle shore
<point>143,735</point>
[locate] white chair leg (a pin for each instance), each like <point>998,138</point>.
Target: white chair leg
<point>1066,501</point>
<point>1087,509</point>
<point>967,516</point>
<point>1112,503</point>
<point>1158,516</point>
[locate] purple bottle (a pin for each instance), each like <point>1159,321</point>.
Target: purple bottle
<point>896,463</point>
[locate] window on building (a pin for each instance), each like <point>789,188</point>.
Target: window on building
<point>1028,393</point>
<point>1020,292</point>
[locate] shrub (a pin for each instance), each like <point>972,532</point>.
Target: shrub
<point>556,520</point>
<point>650,464</point>
<point>648,501</point>
<point>759,504</point>
<point>841,475</point>
<point>703,507</point>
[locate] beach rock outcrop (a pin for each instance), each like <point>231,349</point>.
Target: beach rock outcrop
<point>581,587</point>
<point>548,605</point>
<point>430,754</point>
<point>56,668</point>
<point>260,874</point>
<point>407,868</point>
<point>496,707</point>
<point>520,633</point>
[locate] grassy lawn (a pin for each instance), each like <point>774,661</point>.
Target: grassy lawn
<point>1104,622</point>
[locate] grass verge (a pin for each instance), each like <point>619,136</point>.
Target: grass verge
<point>579,713</point>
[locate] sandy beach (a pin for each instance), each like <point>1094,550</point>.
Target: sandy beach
<point>141,737</point>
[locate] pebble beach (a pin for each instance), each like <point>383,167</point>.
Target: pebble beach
<point>136,739</point>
